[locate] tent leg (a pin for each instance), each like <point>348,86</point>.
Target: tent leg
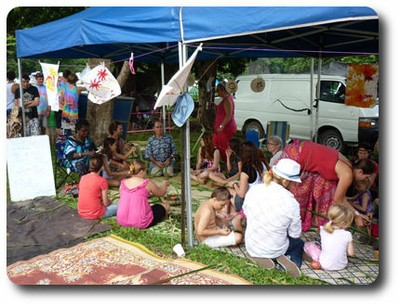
<point>312,120</point>
<point>163,108</point>
<point>21,97</point>
<point>318,95</point>
<point>188,184</point>
<point>183,192</point>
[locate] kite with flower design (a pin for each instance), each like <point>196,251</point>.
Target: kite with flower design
<point>101,84</point>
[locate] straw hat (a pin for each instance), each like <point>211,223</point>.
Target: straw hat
<point>257,85</point>
<point>231,87</point>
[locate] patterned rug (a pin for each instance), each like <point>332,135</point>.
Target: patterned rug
<point>363,269</point>
<point>114,261</point>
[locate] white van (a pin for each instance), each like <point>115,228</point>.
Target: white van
<point>286,97</point>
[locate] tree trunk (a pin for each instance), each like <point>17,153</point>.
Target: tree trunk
<point>206,113</point>
<point>100,116</point>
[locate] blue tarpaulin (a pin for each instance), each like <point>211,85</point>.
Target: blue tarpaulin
<point>153,33</point>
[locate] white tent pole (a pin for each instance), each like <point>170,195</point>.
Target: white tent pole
<point>187,172</point>
<point>312,125</point>
<point>163,108</point>
<point>186,129</point>
<point>318,95</point>
<point>21,96</point>
<point>186,157</point>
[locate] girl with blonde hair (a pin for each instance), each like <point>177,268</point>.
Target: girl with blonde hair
<point>336,241</point>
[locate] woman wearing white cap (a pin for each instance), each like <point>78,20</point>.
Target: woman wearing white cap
<point>273,219</point>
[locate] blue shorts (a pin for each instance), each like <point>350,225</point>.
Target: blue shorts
<point>111,210</point>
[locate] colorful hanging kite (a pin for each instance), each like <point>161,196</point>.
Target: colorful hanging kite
<point>50,74</point>
<point>131,62</point>
<point>101,84</point>
<point>362,85</point>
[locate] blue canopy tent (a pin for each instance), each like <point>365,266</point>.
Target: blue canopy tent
<point>153,33</point>
<point>169,34</point>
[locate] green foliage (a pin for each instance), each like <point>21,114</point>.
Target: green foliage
<point>230,68</point>
<point>21,18</point>
<point>303,64</point>
<point>368,59</point>
<point>26,17</point>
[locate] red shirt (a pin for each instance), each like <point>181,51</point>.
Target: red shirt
<point>320,159</point>
<point>89,202</point>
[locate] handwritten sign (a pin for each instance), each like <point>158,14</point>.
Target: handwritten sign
<point>30,168</point>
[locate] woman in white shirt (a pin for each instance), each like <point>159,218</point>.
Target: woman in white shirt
<point>273,219</point>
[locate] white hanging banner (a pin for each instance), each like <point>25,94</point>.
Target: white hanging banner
<point>174,88</point>
<point>50,74</point>
<point>101,84</point>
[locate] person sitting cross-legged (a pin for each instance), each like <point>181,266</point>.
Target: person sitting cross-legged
<point>160,150</point>
<point>273,226</point>
<point>93,200</point>
<point>78,149</point>
<point>134,208</point>
<point>210,229</point>
<point>208,160</point>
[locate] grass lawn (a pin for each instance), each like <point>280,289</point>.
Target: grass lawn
<point>161,238</point>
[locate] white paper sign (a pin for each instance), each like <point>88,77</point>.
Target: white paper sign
<point>30,168</point>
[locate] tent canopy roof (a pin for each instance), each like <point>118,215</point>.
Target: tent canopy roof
<point>153,33</point>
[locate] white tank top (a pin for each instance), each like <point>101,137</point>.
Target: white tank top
<point>10,96</point>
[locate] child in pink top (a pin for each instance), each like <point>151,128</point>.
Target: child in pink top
<point>93,200</point>
<point>134,209</point>
<point>336,242</point>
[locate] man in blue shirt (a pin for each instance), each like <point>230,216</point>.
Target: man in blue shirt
<point>160,150</point>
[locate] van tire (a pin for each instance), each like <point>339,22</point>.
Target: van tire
<point>333,139</point>
<point>254,125</point>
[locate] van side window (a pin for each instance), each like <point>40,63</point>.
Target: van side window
<point>332,91</point>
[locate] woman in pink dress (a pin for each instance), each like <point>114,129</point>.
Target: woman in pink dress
<point>134,209</point>
<point>224,124</point>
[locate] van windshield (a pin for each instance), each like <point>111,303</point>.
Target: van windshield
<point>332,91</point>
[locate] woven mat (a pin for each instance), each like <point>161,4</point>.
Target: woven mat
<point>45,224</point>
<point>113,261</point>
<point>358,272</point>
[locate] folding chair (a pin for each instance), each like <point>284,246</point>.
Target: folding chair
<point>252,135</point>
<point>279,128</point>
<point>62,173</point>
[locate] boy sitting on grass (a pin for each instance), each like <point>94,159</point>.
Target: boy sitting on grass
<point>209,228</point>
